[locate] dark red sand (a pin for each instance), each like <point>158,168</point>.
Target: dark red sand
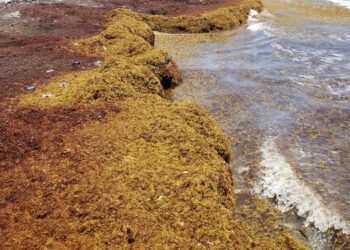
<point>27,60</point>
<point>31,49</point>
<point>168,7</point>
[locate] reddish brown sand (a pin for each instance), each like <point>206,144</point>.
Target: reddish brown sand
<point>28,60</point>
<point>29,45</point>
<point>171,8</point>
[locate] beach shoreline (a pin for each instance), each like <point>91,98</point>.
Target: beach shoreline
<point>96,156</point>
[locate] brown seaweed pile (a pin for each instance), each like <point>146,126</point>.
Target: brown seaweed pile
<point>217,20</point>
<point>119,166</point>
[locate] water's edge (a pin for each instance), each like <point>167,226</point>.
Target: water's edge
<point>266,108</point>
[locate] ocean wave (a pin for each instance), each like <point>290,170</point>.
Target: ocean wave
<point>279,181</point>
<point>255,23</point>
<point>339,89</point>
<point>344,3</point>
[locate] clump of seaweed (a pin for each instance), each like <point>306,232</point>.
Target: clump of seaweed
<point>218,20</point>
<point>132,66</point>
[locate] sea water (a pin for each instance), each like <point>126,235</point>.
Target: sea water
<point>280,88</point>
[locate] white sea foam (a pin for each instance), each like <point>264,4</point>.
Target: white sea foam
<point>339,90</point>
<point>279,47</point>
<point>5,1</point>
<point>279,181</point>
<point>345,3</point>
<point>257,24</point>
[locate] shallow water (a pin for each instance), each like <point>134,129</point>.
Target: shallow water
<point>280,87</point>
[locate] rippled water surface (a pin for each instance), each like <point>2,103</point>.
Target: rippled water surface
<point>280,87</point>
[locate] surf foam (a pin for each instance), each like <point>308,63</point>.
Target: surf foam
<point>344,3</point>
<point>339,90</point>
<point>256,22</point>
<point>279,181</point>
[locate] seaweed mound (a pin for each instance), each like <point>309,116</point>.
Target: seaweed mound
<point>131,66</point>
<point>217,20</point>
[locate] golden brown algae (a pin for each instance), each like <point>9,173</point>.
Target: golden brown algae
<point>147,173</point>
